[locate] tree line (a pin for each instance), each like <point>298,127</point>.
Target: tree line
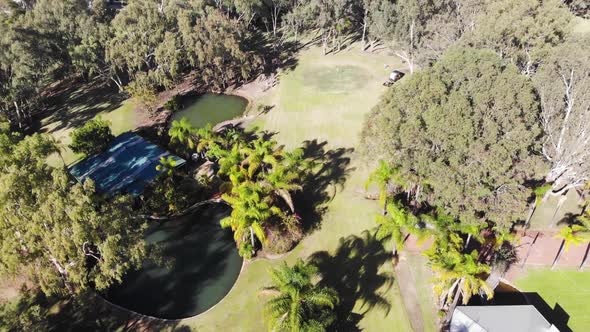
<point>149,45</point>
<point>494,120</point>
<point>146,46</point>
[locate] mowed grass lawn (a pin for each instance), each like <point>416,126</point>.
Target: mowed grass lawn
<point>326,98</point>
<point>568,288</point>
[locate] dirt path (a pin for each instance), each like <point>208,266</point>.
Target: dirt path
<point>409,293</point>
<point>540,249</point>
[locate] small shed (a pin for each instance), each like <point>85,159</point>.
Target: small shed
<point>125,167</point>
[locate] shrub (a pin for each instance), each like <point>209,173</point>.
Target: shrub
<point>173,104</point>
<point>246,250</point>
<point>144,89</point>
<point>282,238</point>
<point>24,314</point>
<point>167,196</point>
<point>92,138</point>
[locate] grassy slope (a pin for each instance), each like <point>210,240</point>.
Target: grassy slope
<point>304,110</point>
<point>569,289</point>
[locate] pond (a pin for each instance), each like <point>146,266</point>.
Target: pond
<point>199,265</point>
<point>211,108</point>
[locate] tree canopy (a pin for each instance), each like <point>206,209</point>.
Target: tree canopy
<point>160,41</point>
<point>298,303</point>
<point>563,86</point>
<point>464,132</point>
<point>61,232</point>
<point>93,137</point>
<point>523,31</point>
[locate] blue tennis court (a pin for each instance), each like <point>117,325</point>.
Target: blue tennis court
<point>125,167</point>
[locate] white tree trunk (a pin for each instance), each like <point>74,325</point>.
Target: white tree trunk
<point>62,272</point>
<point>364,47</point>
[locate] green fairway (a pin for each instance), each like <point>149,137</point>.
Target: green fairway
<point>335,79</point>
<point>122,118</point>
<point>304,111</point>
<point>569,289</point>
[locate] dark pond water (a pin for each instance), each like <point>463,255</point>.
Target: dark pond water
<point>200,264</point>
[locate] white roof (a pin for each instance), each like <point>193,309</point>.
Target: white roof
<point>499,318</point>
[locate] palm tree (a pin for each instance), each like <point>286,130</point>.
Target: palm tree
<point>472,230</point>
<point>206,138</point>
<point>167,165</point>
<point>182,132</point>
<point>229,160</point>
<point>394,223</point>
<point>575,234</point>
<point>251,208</point>
<point>295,161</point>
<point>260,153</point>
<point>382,177</point>
<point>297,303</point>
<point>445,223</point>
<point>282,181</point>
<point>458,277</point>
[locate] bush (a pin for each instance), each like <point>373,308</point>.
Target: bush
<point>281,239</point>
<point>173,104</point>
<point>246,250</point>
<point>24,314</point>
<point>143,88</point>
<point>92,138</point>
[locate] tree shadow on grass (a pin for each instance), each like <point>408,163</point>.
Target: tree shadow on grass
<point>320,185</point>
<point>276,54</point>
<point>88,312</point>
<point>74,102</point>
<point>353,271</point>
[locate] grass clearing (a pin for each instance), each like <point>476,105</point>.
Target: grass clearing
<point>82,104</point>
<point>548,214</point>
<point>304,112</point>
<point>569,289</point>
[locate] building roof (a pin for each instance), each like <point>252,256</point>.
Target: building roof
<point>499,318</point>
<point>125,167</point>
